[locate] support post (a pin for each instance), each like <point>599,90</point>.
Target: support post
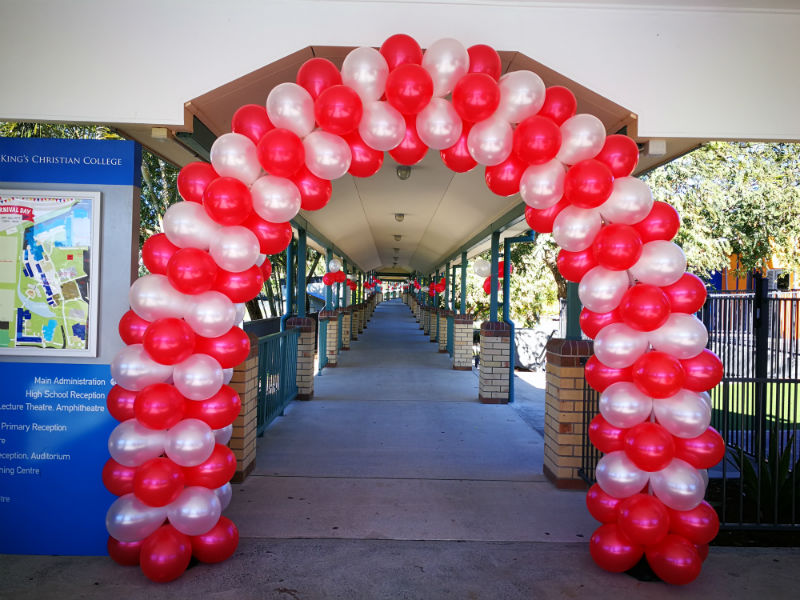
<point>289,285</point>
<point>573,331</point>
<point>495,260</point>
<point>463,310</point>
<point>301,272</point>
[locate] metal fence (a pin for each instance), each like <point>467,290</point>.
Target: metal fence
<point>277,375</point>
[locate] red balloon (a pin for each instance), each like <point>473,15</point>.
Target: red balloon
<point>574,265</point>
<point>315,192</point>
<point>169,341</point>
<point>699,525</point>
<point>620,154</point>
<point>644,307</point>
<point>273,238</point>
<point>687,295</point>
<point>409,88</point>
<point>703,372</point>
<point>191,271</point>
<point>650,447</point>
<point>124,553</point>
<point>341,276</point>
<point>602,506</point>
<point>412,149</point>
<point>702,452</point>
<point>230,349</point>
<point>476,96</point>
<point>617,247</point>
<point>503,179</point>
<point>228,201</point>
<point>702,550</point>
<point>559,104</point>
<point>316,75</point>
<point>118,478</point>
<point>457,157</point>
<point>120,403</point>
<point>240,287</point>
<point>156,252</point>
<point>328,279</point>
<point>612,551</point>
<point>215,471</point>
<point>280,153</point>
<point>485,59</point>
<point>132,328</point>
<point>338,109</point>
<point>218,411</point>
<point>604,436</point>
<point>591,322</point>
<point>165,554</point>
<point>661,223</point>
<point>218,544</point>
<point>487,285</point>
<point>675,560</point>
<point>643,519</point>
<point>588,183</point>
<point>401,49</point>
<point>365,161</point>
<point>158,482</point>
<point>541,220</point>
<point>266,268</point>
<point>251,120</point>
<point>193,179</point>
<point>600,376</point>
<point>658,374</point>
<point>537,140</point>
<point>159,406</point>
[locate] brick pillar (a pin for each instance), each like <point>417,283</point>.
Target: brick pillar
<point>346,320</point>
<point>426,320</point>
<point>443,314</point>
<point>305,355</point>
<point>418,313</point>
<point>462,342</point>
<point>433,324</point>
<point>495,363</point>
<point>331,343</point>
<point>243,440</point>
<point>361,318</point>
<point>563,417</point>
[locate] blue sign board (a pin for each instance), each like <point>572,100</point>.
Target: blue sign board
<point>53,431</point>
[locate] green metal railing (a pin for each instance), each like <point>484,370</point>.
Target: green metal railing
<point>450,334</point>
<point>277,375</point>
<point>339,321</point>
<point>322,344</point>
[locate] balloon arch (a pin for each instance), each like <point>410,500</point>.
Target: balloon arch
<point>170,464</point>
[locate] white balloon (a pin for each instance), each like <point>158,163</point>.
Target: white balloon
<point>291,107</point>
<point>327,155</point>
<point>133,369</point>
<point>234,155</point>
<point>129,519</point>
<point>682,335</point>
<point>241,308</point>
<point>187,225</point>
<point>365,70</point>
<point>438,124</point>
<point>260,260</point>
<point>542,186</point>
<point>680,486</point>
<point>618,345</point>
<point>275,199</point>
<point>223,436</point>
<point>574,229</point>
<point>661,263</point>
<point>521,95</point>
<point>224,494</point>
<point>482,268</point>
<point>227,375</point>
<point>189,443</point>
<point>382,126</point>
<point>447,61</point>
<point>684,415</point>
<point>490,141</point>
<point>334,265</point>
<point>195,511</point>
<point>235,248</point>
<point>198,377</point>
<point>623,405</point>
<point>582,137</point>
<point>132,444</point>
<point>630,201</point>
<point>152,297</point>
<point>601,290</point>
<point>618,476</point>
<point>210,314</point>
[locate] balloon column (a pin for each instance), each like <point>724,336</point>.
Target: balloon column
<point>483,268</point>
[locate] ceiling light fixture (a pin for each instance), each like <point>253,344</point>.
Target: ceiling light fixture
<point>397,237</point>
<point>399,217</point>
<point>403,172</point>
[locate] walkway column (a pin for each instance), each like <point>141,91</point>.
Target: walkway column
<point>243,440</point>
<point>462,342</point>
<point>496,362</point>
<point>305,355</point>
<point>331,344</point>
<point>346,315</point>
<point>443,314</point>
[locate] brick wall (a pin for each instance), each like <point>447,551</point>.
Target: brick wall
<point>433,324</point>
<point>243,440</point>
<point>462,342</point>
<point>443,314</point>
<point>493,385</point>
<point>305,355</point>
<point>331,343</point>
<point>346,319</point>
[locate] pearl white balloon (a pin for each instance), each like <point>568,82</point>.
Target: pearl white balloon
<point>623,405</point>
<point>235,248</point>
<point>382,126</point>
<point>198,377</point>
<point>582,137</point>
<point>490,141</point>
<point>275,199</point>
<point>224,495</point>
<point>679,486</point>
<point>521,95</point>
<point>574,229</point>
<point>291,107</point>
<point>684,415</point>
<point>661,263</point>
<point>617,476</point>
<point>152,297</point>
<point>618,345</point>
<point>132,444</point>
<point>189,443</point>
<point>482,268</point>
<point>235,155</point>
<point>682,335</point>
<point>601,289</point>
<point>327,155</point>
<point>447,61</point>
<point>241,308</point>
<point>438,124</point>
<point>334,265</point>
<point>542,186</point>
<point>210,314</point>
<point>630,201</point>
<point>187,225</point>
<point>223,435</point>
<point>195,511</point>
<point>129,519</point>
<point>365,70</point>
<point>133,369</point>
